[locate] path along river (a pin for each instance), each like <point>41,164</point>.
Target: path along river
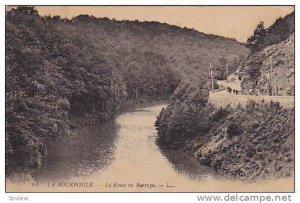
<point>123,153</point>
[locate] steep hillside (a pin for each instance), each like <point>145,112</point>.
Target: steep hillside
<point>279,31</point>
<point>144,46</point>
<point>271,71</point>
<point>247,144</point>
<point>251,142</point>
<point>60,72</point>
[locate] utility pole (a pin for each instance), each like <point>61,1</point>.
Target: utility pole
<point>227,74</point>
<point>136,93</point>
<point>212,77</point>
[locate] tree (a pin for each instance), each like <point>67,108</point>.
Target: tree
<point>255,42</point>
<point>223,61</point>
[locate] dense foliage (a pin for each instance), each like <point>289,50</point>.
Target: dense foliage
<point>251,143</point>
<point>270,68</point>
<point>255,41</point>
<point>48,78</point>
<point>256,143</point>
<point>277,32</point>
<point>183,121</point>
<point>58,70</point>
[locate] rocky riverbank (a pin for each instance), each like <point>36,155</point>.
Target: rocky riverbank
<point>246,144</point>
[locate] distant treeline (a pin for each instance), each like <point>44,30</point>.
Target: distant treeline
<point>60,68</point>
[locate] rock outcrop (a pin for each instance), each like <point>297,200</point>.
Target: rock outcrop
<point>271,71</point>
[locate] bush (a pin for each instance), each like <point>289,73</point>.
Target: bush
<point>251,104</point>
<point>274,105</point>
<point>219,115</point>
<point>183,121</point>
<point>234,129</point>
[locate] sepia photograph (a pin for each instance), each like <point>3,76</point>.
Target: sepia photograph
<point>149,98</point>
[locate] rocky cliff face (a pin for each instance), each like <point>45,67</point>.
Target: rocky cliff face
<point>271,70</point>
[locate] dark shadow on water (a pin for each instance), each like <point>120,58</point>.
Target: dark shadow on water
<point>186,164</point>
<point>82,155</point>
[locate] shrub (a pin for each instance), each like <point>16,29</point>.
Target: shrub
<point>275,105</point>
<point>250,106</point>
<point>234,129</point>
<point>219,114</point>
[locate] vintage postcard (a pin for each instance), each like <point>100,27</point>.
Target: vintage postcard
<point>149,98</point>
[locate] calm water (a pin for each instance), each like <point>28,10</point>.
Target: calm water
<point>124,151</point>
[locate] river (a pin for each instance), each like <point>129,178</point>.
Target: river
<point>122,156</point>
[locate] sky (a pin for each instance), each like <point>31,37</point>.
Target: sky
<point>230,21</point>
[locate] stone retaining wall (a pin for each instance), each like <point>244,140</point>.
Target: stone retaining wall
<point>223,99</point>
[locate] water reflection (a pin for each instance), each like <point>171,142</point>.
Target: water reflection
<point>90,150</point>
<point>125,151</point>
<point>186,164</point>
